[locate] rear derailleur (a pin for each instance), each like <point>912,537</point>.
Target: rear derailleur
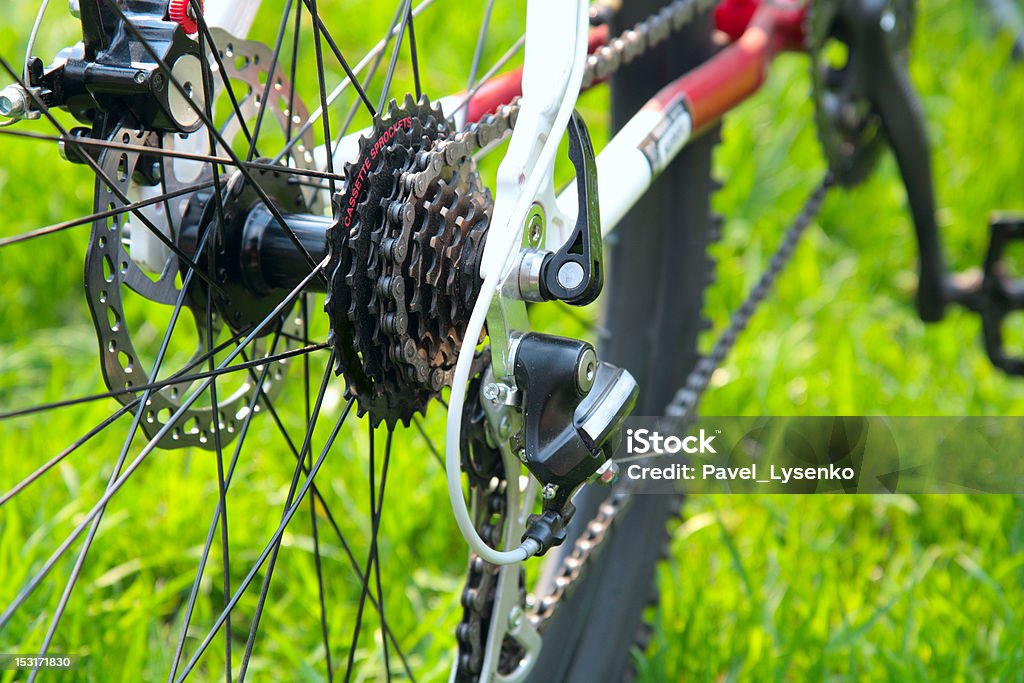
<point>550,403</point>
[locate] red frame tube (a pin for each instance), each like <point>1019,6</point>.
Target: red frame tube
<point>739,70</point>
<point>760,30</point>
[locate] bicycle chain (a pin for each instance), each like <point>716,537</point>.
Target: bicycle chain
<point>686,399</point>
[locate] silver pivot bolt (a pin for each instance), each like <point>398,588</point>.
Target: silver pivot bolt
<point>14,102</point>
<point>586,370</point>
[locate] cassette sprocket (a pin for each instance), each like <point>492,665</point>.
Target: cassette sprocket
<point>404,262</point>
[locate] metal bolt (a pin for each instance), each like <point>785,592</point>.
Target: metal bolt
<point>586,370</point>
<point>13,102</point>
<point>535,234</point>
<point>535,226</point>
<point>570,275</point>
<point>888,21</point>
<point>140,77</point>
<point>549,491</point>
<point>498,392</point>
<point>522,454</point>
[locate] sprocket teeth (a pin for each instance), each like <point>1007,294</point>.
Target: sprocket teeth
<point>397,275</point>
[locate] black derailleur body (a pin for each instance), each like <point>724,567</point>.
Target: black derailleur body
<point>573,407</point>
<point>113,71</point>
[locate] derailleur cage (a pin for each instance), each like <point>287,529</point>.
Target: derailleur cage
<point>549,401</point>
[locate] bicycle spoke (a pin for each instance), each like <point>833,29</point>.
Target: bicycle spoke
<point>80,142</point>
<point>243,432</point>
<point>345,83</point>
<point>412,51</point>
<point>57,459</point>
<point>324,630</point>
<point>430,442</point>
<point>271,70</point>
<point>478,52</point>
<point>218,197</point>
<point>161,433</point>
<point>296,32</point>
<point>206,38</point>
<point>91,433</point>
<point>173,379</point>
<point>136,421</point>
<point>318,49</point>
<point>289,513</point>
<point>371,72</point>
<point>275,551</point>
<point>511,52</point>
<point>346,548</point>
<point>406,18</point>
<point>376,554</point>
<point>376,506</point>
<point>318,24</point>
<point>85,220</point>
<point>86,546</point>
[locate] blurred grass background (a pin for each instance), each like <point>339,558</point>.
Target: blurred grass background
<point>766,588</point>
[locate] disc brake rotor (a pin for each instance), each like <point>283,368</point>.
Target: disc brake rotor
<point>121,252</point>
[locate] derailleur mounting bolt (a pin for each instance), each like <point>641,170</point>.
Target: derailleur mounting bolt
<point>549,491</point>
<point>14,102</point>
<point>496,392</point>
<point>586,370</point>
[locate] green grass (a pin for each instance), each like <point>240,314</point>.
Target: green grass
<point>895,588</point>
